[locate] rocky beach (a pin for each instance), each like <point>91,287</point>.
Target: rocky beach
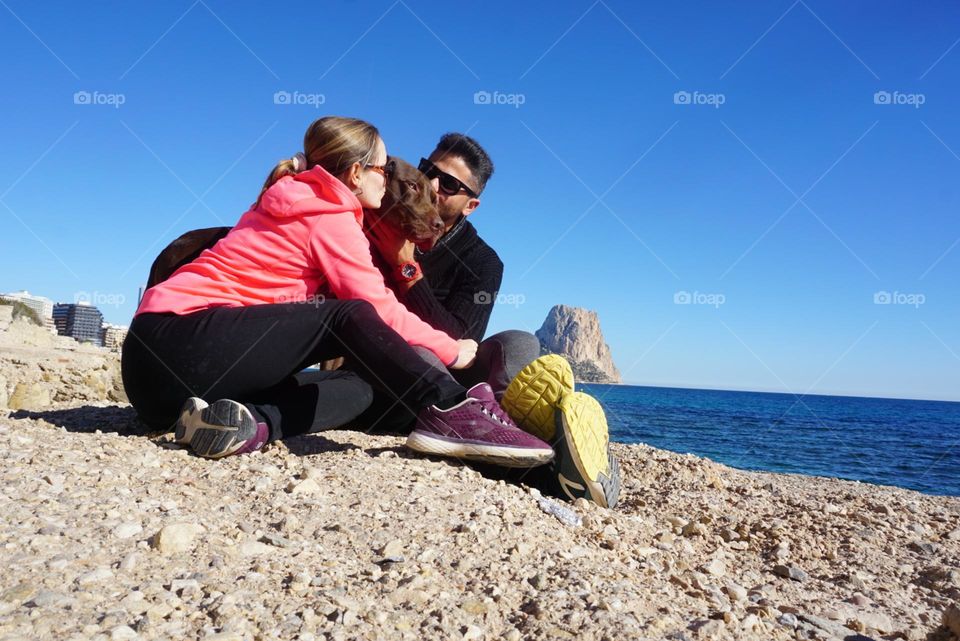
<point>110,533</point>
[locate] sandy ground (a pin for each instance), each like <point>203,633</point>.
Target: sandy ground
<point>111,533</point>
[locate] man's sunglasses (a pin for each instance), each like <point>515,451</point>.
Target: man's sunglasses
<point>449,185</point>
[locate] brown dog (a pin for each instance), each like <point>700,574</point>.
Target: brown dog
<point>409,206</point>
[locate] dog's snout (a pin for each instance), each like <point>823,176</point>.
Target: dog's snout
<point>437,225</point>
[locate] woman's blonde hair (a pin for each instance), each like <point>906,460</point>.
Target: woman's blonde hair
<point>334,143</point>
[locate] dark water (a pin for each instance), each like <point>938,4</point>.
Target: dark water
<point>911,444</point>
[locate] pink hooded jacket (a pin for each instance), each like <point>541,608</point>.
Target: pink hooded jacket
<point>304,239</point>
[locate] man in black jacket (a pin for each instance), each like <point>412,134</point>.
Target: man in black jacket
<point>453,288</point>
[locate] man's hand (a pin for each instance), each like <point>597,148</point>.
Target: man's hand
<point>467,354</point>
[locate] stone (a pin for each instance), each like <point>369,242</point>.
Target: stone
<point>177,537</point>
<point>923,547</point>
<point>736,593</point>
<point>94,576</point>
<point>29,396</point>
<point>875,621</point>
<point>716,567</point>
<point>787,620</point>
<point>127,530</point>
<point>473,633</point>
<point>790,572</point>
<point>304,487</point>
<point>277,541</point>
<point>951,619</point>
<point>122,633</point>
<point>392,549</point>
<point>254,548</point>
<point>751,623</point>
<point>694,528</point>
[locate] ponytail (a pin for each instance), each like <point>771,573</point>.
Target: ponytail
<point>332,142</point>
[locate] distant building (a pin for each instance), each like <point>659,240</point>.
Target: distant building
<point>78,321</point>
<point>41,305</point>
<point>112,336</point>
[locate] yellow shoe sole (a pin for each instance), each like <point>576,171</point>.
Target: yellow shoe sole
<point>534,395</point>
<point>585,467</point>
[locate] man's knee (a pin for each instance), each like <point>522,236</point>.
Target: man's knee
<point>517,344</point>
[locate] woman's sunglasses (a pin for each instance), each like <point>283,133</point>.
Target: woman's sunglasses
<point>449,185</point>
<point>384,170</point>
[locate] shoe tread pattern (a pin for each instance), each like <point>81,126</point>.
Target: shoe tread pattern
<point>534,394</point>
<point>588,433</point>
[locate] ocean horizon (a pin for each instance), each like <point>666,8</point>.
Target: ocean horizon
<point>908,443</point>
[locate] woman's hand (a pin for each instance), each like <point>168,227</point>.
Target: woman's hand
<point>468,353</point>
<point>390,243</point>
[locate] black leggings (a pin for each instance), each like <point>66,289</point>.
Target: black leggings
<point>255,355</point>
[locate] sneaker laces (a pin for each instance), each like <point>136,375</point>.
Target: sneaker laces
<point>493,410</point>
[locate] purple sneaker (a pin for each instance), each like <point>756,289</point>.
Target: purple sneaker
<point>223,428</point>
<point>477,429</point>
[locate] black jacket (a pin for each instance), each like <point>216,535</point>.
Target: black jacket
<point>462,276</point>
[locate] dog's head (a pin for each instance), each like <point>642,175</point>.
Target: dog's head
<point>409,205</point>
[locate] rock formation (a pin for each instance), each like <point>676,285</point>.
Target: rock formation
<point>575,333</point>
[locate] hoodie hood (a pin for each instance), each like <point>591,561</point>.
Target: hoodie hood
<point>315,191</point>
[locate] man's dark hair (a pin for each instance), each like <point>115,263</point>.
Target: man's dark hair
<point>454,144</point>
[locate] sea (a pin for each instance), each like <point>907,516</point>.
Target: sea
<point>906,443</point>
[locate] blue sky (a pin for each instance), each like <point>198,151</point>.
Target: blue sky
<point>734,155</point>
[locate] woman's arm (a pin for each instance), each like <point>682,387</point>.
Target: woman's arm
<point>339,248</point>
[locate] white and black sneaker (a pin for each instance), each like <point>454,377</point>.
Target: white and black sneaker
<point>223,428</point>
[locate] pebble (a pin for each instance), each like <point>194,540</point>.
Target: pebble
<point>875,621</point>
<point>177,537</point>
<point>736,592</point>
<point>790,572</point>
<point>951,619</point>
<point>254,548</point>
<point>788,620</point>
<point>716,567</point>
<point>392,549</point>
<point>127,530</point>
<point>304,487</point>
<point>94,576</point>
<point>122,633</point>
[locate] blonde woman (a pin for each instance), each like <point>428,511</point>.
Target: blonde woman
<point>217,351</point>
